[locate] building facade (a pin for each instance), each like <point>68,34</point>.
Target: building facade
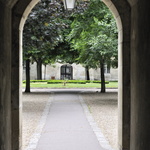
<point>72,72</point>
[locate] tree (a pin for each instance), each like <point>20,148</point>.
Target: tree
<point>46,27</point>
<point>94,35</point>
<point>42,32</point>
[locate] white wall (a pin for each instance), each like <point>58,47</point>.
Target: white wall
<point>78,72</point>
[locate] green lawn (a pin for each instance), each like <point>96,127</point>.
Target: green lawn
<point>71,85</point>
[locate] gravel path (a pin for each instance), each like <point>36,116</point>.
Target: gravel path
<point>103,108</point>
<point>33,107</point>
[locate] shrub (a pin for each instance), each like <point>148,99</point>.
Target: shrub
<point>54,81</point>
<point>98,81</point>
<point>67,81</point>
<point>32,81</point>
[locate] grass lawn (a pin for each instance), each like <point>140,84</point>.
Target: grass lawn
<point>71,85</point>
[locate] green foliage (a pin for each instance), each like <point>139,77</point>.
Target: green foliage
<point>42,31</point>
<point>54,81</point>
<point>98,81</point>
<point>68,81</point>
<point>46,27</point>
<point>33,81</point>
<point>66,53</point>
<point>94,35</point>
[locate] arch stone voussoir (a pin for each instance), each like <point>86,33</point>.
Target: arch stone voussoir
<point>122,13</point>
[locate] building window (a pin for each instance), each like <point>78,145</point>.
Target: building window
<point>106,69</point>
<point>66,72</point>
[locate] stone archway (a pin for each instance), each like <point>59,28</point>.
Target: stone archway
<point>121,12</point>
<point>17,11</point>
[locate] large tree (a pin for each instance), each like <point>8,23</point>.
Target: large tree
<point>42,32</point>
<point>46,26</point>
<point>94,35</point>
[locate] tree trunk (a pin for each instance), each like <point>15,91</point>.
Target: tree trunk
<point>87,73</point>
<point>103,89</point>
<point>27,76</point>
<point>39,70</point>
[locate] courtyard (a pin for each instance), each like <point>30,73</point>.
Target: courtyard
<point>101,106</point>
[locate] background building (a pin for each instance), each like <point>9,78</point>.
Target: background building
<point>73,72</point>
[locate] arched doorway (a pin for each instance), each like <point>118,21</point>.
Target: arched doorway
<point>20,11</point>
<point>66,72</point>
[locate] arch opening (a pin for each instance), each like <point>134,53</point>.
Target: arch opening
<point>114,11</point>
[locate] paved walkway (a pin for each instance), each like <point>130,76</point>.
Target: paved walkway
<point>66,126</point>
<point>77,90</point>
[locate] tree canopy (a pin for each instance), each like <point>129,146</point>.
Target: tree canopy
<point>44,31</point>
<point>94,35</point>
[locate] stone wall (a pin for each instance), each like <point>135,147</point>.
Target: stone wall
<point>53,71</point>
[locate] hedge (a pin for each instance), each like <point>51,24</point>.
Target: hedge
<point>98,81</point>
<point>32,81</point>
<point>67,81</point>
